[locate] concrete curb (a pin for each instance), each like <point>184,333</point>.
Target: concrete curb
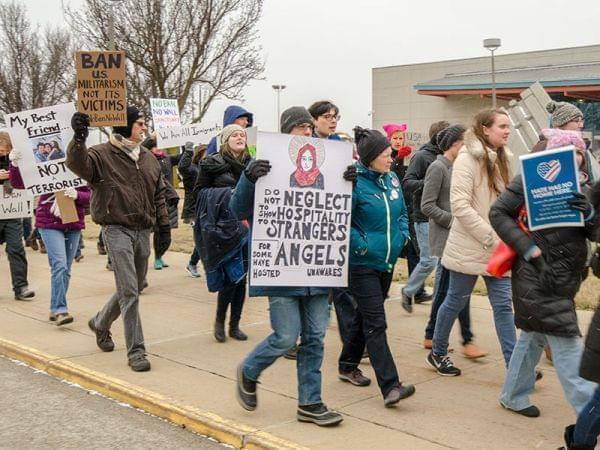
<point>203,422</point>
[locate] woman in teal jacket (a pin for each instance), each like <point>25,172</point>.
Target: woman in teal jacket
<point>378,234</point>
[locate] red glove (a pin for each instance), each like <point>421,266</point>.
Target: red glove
<point>403,152</point>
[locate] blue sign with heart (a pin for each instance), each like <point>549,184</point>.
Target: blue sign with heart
<point>549,180</point>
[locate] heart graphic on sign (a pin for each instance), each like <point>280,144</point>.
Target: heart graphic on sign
<point>549,170</point>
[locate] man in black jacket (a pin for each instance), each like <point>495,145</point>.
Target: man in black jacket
<point>413,187</point>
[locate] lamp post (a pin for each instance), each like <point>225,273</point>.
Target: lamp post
<point>278,88</point>
<point>111,27</point>
<point>492,45</point>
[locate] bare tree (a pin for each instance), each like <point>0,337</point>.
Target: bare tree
<point>36,69</point>
<point>172,46</point>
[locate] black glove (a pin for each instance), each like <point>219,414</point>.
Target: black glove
<point>164,239</point>
<point>256,169</point>
<point>80,123</point>
<point>595,262</point>
<point>350,174</point>
<point>580,203</point>
<point>547,277</point>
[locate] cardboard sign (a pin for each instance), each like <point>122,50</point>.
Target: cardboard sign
<point>197,133</point>
<point>165,113</point>
<point>15,203</point>
<point>42,136</point>
<point>549,180</point>
<point>101,87</point>
<point>302,208</point>
<point>67,208</point>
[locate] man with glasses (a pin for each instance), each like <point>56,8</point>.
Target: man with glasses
<point>127,201</point>
<point>325,118</point>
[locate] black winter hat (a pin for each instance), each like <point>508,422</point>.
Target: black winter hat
<point>449,135</point>
<point>133,114</point>
<point>294,116</point>
<point>370,144</point>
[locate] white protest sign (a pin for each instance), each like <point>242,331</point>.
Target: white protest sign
<point>165,113</point>
<point>42,136</point>
<point>301,224</point>
<point>197,133</point>
<point>15,203</point>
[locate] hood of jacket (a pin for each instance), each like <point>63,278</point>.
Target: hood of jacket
<point>475,148</point>
<point>233,112</point>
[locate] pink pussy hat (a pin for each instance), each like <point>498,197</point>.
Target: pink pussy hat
<point>391,128</point>
<point>561,138</point>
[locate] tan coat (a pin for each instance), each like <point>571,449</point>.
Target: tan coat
<point>472,238</point>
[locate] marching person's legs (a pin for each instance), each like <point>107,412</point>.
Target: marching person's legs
<point>12,229</point>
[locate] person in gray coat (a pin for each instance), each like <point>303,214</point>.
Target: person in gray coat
<point>435,204</point>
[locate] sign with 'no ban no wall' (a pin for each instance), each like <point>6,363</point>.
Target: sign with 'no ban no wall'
<point>42,136</point>
<point>302,208</point>
<point>15,203</point>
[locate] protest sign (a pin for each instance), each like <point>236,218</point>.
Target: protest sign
<point>251,136</point>
<point>15,203</point>
<point>101,87</point>
<point>197,133</point>
<point>165,113</point>
<point>549,180</point>
<point>302,208</point>
<point>42,136</point>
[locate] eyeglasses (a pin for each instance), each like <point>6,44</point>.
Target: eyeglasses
<point>329,117</point>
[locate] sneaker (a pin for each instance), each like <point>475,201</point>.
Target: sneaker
<point>246,390</point>
<point>101,249</point>
<point>423,297</point>
<point>164,263</point>
<point>407,302</point>
<point>52,317</point>
<point>471,351</point>
<point>158,264</point>
<point>292,353</point>
<point>103,337</point>
<point>318,414</point>
<point>24,293</point>
<point>139,363</point>
<point>355,377</point>
<point>530,411</point>
<point>443,365</point>
<point>63,319</point>
<point>192,270</point>
<point>398,393</point>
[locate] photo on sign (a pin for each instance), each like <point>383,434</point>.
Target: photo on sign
<point>308,158</point>
<point>47,148</point>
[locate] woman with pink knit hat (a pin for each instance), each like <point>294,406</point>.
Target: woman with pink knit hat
<point>396,134</point>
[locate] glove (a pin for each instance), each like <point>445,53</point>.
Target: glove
<point>350,174</point>
<point>547,277</point>
<point>164,239</point>
<point>54,209</point>
<point>256,169</point>
<point>189,147</point>
<point>15,156</point>
<point>71,193</point>
<point>580,203</point>
<point>80,123</point>
<point>595,263</point>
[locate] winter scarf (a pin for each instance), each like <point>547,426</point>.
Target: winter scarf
<point>306,178</point>
<point>130,148</point>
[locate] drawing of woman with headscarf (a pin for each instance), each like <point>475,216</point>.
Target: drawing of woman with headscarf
<point>307,173</point>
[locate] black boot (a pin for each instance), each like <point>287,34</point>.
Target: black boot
<point>236,333</point>
<point>569,441</point>
<point>220,331</point>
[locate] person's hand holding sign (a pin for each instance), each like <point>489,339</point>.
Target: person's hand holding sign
<point>580,203</point>
<point>80,123</point>
<point>256,169</point>
<point>350,174</point>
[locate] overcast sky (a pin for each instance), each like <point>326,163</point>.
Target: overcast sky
<point>326,48</point>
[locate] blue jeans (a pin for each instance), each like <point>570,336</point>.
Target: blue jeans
<point>61,247</point>
<point>566,356</point>
<point>587,428</point>
<point>426,264</point>
<point>291,317</point>
<point>459,291</point>
<point>442,280</point>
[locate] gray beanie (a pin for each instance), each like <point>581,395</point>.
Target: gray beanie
<point>228,131</point>
<point>563,113</point>
<point>294,116</point>
<point>449,135</point>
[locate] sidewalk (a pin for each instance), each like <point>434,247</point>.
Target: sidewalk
<point>191,372</point>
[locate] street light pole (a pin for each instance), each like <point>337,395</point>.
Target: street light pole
<point>111,27</point>
<point>492,45</point>
<point>279,88</point>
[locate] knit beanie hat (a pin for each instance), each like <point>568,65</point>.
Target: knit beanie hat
<point>561,138</point>
<point>294,116</point>
<point>133,115</point>
<point>563,113</point>
<point>370,144</point>
<point>449,135</point>
<point>391,128</point>
<point>228,131</point>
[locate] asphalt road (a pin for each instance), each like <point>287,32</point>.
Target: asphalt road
<point>39,411</point>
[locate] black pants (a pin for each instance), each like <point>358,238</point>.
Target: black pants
<point>345,312</point>
<point>156,244</point>
<point>369,288</point>
<point>11,232</point>
<point>233,295</point>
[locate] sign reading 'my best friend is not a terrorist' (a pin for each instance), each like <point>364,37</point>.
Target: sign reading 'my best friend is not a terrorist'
<point>301,223</point>
<point>101,88</point>
<point>41,136</point>
<point>549,180</point>
<point>15,203</point>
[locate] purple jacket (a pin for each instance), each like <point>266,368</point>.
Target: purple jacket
<point>43,217</point>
